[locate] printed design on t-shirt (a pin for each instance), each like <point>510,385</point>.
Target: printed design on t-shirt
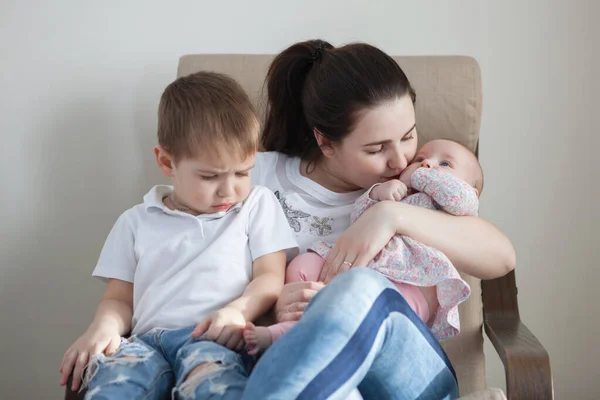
<point>321,226</point>
<point>292,215</point>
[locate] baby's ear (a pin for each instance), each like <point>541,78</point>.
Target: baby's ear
<point>476,191</point>
<point>164,160</point>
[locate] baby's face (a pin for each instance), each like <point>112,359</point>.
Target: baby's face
<point>447,156</point>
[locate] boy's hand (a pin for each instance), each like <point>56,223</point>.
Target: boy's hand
<point>224,327</point>
<point>393,190</point>
<point>94,341</point>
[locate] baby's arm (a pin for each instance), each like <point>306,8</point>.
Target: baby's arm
<point>392,190</point>
<point>111,321</point>
<point>452,194</point>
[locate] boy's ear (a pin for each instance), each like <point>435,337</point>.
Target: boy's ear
<point>164,160</point>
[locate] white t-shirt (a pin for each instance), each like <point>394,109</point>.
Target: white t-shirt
<point>313,212</point>
<point>184,267</point>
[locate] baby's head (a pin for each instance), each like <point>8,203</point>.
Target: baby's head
<point>448,156</point>
<point>208,136</point>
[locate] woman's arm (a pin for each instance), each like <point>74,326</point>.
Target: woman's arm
<point>474,245</point>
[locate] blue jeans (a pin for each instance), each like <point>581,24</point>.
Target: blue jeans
<point>357,332</point>
<point>155,366</point>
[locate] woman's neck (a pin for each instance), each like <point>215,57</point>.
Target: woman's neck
<point>320,171</point>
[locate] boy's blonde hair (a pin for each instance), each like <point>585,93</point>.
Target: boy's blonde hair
<point>206,111</point>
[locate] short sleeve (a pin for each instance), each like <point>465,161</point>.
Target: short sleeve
<point>117,259</point>
<point>263,173</point>
<point>268,228</point>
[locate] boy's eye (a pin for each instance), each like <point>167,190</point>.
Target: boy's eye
<point>208,177</point>
<point>242,174</point>
<point>445,164</point>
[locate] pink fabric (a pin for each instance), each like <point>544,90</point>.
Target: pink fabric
<point>279,329</point>
<point>404,260</point>
<point>307,268</point>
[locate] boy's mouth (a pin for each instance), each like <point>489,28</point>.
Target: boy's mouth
<point>223,207</point>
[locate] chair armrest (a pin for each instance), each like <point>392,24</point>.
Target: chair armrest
<point>526,362</point>
<point>71,395</point>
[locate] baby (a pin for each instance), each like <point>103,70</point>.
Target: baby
<point>444,175</point>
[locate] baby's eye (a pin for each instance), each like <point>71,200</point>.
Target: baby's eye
<point>419,159</point>
<point>445,164</point>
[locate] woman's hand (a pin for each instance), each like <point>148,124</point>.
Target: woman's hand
<point>294,298</point>
<point>95,341</point>
<point>361,242</point>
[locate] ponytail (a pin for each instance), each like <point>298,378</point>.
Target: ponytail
<point>313,85</point>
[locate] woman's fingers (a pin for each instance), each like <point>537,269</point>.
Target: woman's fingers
<point>333,268</point>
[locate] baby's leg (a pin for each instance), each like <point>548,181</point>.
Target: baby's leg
<point>415,299</point>
<point>304,268</point>
<point>135,371</point>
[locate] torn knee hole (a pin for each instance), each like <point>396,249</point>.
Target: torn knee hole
<point>202,370</point>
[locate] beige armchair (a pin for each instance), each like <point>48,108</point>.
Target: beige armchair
<point>448,106</point>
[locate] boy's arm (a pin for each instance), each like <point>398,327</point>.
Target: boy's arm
<point>264,289</point>
<point>116,308</point>
<point>452,194</point>
<point>111,321</point>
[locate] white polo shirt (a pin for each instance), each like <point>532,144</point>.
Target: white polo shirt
<point>184,267</point>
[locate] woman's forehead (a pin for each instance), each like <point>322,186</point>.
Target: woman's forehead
<point>389,121</point>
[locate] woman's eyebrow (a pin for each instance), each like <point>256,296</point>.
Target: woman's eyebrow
<point>389,140</point>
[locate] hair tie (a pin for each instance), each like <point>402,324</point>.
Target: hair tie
<point>316,54</point>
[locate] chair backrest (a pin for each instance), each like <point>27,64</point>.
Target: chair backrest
<point>448,106</point>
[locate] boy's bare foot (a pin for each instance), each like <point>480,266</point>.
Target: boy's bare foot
<point>258,338</point>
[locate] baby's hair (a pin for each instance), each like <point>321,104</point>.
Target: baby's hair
<point>206,111</point>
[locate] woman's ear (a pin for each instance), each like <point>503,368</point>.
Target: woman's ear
<point>164,160</point>
<point>324,143</point>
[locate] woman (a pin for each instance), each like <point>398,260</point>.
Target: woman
<point>338,121</point>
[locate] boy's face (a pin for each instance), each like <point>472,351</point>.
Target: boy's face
<point>209,182</point>
<point>447,156</point>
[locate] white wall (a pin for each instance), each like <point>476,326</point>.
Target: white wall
<point>80,82</point>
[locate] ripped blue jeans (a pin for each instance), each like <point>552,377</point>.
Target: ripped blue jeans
<point>156,365</point>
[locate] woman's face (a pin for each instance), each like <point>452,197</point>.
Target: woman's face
<point>381,145</point>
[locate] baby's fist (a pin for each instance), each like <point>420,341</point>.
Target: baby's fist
<point>392,190</point>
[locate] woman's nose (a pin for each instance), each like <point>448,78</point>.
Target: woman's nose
<point>398,161</point>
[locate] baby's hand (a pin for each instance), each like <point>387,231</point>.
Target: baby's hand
<point>225,327</point>
<point>94,341</point>
<point>393,190</point>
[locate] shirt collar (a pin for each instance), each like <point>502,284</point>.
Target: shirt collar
<point>153,202</point>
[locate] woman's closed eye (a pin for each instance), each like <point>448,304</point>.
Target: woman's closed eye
<point>375,151</point>
<point>408,137</point>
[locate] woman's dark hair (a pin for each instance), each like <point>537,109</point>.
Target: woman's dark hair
<point>315,85</point>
